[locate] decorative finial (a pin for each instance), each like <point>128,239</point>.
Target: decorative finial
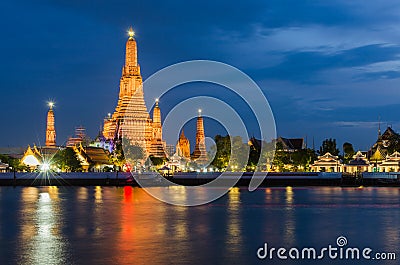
<point>50,104</point>
<point>199,112</point>
<point>379,125</point>
<point>131,33</point>
<point>156,101</point>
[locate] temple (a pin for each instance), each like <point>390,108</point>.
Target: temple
<point>157,147</point>
<point>50,128</point>
<point>131,120</point>
<point>183,146</point>
<point>200,153</point>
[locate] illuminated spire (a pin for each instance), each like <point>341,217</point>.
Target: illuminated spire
<point>182,136</point>
<point>131,33</point>
<point>200,152</point>
<point>50,104</point>
<point>157,114</point>
<point>50,130</point>
<point>131,67</point>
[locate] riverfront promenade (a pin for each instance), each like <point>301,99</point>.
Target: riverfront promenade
<point>272,179</point>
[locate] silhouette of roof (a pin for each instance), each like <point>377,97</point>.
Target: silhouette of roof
<point>292,143</point>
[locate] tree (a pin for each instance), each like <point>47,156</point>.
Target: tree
<point>118,157</point>
<point>133,153</point>
<point>67,160</point>
<point>230,153</point>
<point>157,161</point>
<point>293,161</point>
<point>303,158</point>
<point>348,151</point>
<point>267,155</point>
<point>328,146</point>
<point>13,163</point>
<point>222,150</point>
<point>239,154</point>
<point>281,158</point>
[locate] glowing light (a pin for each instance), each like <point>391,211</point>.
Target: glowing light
<point>156,100</point>
<point>45,167</point>
<point>31,161</point>
<point>109,115</point>
<point>199,111</point>
<point>131,33</point>
<point>50,104</point>
<point>234,190</point>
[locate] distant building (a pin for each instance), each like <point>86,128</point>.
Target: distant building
<point>93,159</point>
<point>327,163</point>
<point>291,144</point>
<point>37,156</point>
<point>3,167</point>
<point>78,138</point>
<point>391,163</point>
<point>101,142</point>
<point>359,163</point>
<point>379,150</point>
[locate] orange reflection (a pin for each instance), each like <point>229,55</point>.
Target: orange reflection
<point>128,194</point>
<point>140,227</point>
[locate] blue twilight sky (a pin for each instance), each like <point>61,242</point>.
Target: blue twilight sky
<point>328,68</point>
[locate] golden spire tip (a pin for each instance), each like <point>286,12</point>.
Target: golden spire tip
<point>131,33</point>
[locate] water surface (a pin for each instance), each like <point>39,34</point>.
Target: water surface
<point>108,225</point>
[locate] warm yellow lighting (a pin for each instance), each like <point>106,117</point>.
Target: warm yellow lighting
<point>131,33</point>
<point>234,190</point>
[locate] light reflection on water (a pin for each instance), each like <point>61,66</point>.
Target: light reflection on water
<point>234,227</point>
<point>43,242</point>
<point>108,225</point>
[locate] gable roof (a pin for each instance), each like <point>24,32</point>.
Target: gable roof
<point>94,155</point>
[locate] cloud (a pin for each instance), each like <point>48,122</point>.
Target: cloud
<point>359,124</point>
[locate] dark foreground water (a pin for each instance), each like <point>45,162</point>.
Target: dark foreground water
<point>95,225</point>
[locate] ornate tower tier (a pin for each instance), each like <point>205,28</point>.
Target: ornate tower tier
<point>200,153</point>
<point>157,147</point>
<point>50,130</point>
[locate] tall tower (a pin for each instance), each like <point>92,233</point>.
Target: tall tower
<point>130,119</point>
<point>200,153</point>
<point>157,145</point>
<point>50,130</point>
